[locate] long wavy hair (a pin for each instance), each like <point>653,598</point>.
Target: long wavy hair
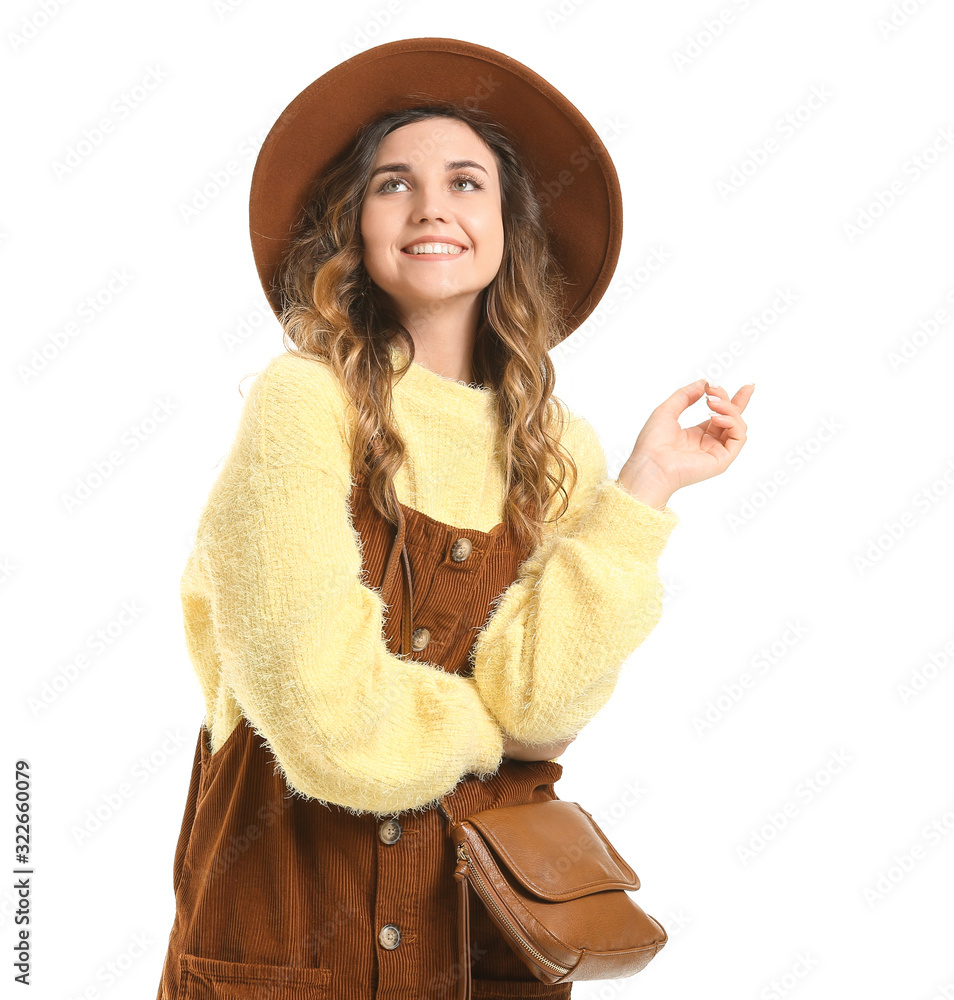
<point>334,313</point>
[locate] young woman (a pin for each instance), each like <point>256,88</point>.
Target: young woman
<point>413,583</point>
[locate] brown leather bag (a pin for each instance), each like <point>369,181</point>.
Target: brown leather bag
<point>549,877</point>
<point>557,888</point>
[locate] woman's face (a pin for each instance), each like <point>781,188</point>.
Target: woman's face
<point>442,186</point>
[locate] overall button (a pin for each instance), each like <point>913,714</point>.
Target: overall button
<point>420,637</point>
<point>390,936</point>
<point>460,550</point>
<point>390,831</point>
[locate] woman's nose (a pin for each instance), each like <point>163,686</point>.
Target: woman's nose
<point>430,203</point>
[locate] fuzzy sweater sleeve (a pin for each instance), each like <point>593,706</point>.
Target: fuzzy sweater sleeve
<point>298,639</point>
<point>550,655</point>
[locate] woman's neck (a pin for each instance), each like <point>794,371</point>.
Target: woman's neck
<point>444,333</point>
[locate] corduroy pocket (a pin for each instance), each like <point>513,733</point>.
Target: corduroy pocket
<point>215,979</point>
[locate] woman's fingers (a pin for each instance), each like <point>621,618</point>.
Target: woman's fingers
<point>682,398</point>
<point>729,431</point>
<point>740,399</point>
<point>727,413</point>
<point>686,395</point>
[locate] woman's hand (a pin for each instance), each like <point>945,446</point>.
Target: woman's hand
<point>667,457</point>
<point>521,751</point>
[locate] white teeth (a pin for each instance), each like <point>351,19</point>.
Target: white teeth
<point>435,248</point>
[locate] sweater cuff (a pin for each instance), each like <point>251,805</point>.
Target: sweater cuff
<point>488,738</point>
<point>617,520</point>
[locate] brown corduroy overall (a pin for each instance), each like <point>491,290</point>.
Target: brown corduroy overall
<point>284,898</point>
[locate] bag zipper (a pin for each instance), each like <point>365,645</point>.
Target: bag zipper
<point>464,855</point>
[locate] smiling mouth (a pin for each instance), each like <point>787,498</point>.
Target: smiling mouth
<point>434,256</point>
<point>455,250</point>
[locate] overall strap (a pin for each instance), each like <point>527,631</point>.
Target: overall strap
<point>399,550</point>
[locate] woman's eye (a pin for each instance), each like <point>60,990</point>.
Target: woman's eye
<point>467,179</point>
<point>459,179</point>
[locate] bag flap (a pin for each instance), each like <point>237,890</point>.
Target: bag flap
<point>554,849</point>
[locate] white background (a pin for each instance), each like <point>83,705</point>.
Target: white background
<point>817,565</point>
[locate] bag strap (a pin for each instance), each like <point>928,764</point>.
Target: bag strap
<point>463,930</point>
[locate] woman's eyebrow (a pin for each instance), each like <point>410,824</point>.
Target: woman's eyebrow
<point>405,169</point>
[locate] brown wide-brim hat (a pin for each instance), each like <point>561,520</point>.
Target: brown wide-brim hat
<point>571,170</point>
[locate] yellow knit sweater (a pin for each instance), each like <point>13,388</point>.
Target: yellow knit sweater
<point>280,628</point>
